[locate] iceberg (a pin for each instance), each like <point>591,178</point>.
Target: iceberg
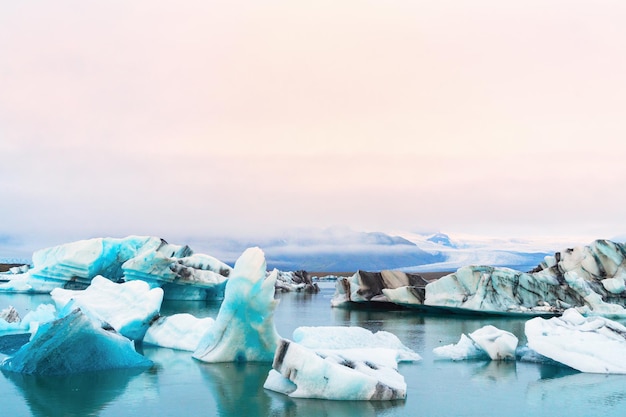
<point>74,344</point>
<point>73,265</point>
<point>181,273</point>
<point>128,307</point>
<point>587,344</point>
<point>9,315</point>
<point>179,331</point>
<point>301,372</point>
<point>590,278</point>
<point>365,286</point>
<point>340,363</point>
<point>299,281</point>
<point>244,328</point>
<point>486,342</point>
<point>10,321</point>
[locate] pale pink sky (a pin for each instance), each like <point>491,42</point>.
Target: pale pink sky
<point>201,117</point>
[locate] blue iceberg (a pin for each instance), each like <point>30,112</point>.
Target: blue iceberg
<point>244,328</point>
<point>74,344</point>
<point>182,274</point>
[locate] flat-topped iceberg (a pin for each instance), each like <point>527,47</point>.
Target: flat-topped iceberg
<point>74,344</point>
<point>588,344</point>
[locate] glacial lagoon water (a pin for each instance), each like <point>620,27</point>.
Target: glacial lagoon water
<point>181,386</point>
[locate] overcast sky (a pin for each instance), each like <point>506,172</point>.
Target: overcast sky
<point>238,117</point>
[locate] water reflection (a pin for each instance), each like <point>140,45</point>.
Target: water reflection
<point>180,385</point>
<point>238,390</point>
<point>495,371</point>
<point>75,395</point>
<point>300,407</point>
<point>580,390</point>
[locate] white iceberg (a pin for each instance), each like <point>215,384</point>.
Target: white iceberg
<point>588,344</point>
<point>464,349</point>
<point>303,373</point>
<point>128,307</point>
<point>179,331</point>
<point>486,342</point>
<point>44,313</point>
<point>340,363</point>
<point>244,329</point>
<point>73,344</point>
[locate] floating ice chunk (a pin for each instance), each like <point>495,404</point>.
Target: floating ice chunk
<point>180,331</point>
<point>288,281</point>
<point>372,286</point>
<point>197,277</point>
<point>73,344</point>
<point>486,342</point>
<point>499,344</point>
<point>74,264</point>
<point>336,337</point>
<point>9,315</point>
<point>334,377</point>
<point>244,328</point>
<point>590,278</point>
<point>44,313</point>
<point>129,307</point>
<point>594,344</point>
<point>464,349</point>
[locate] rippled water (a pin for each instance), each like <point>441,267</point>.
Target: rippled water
<point>180,386</point>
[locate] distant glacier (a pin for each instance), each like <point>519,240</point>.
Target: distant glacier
<point>340,249</point>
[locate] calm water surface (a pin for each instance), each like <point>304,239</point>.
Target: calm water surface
<point>181,386</point>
